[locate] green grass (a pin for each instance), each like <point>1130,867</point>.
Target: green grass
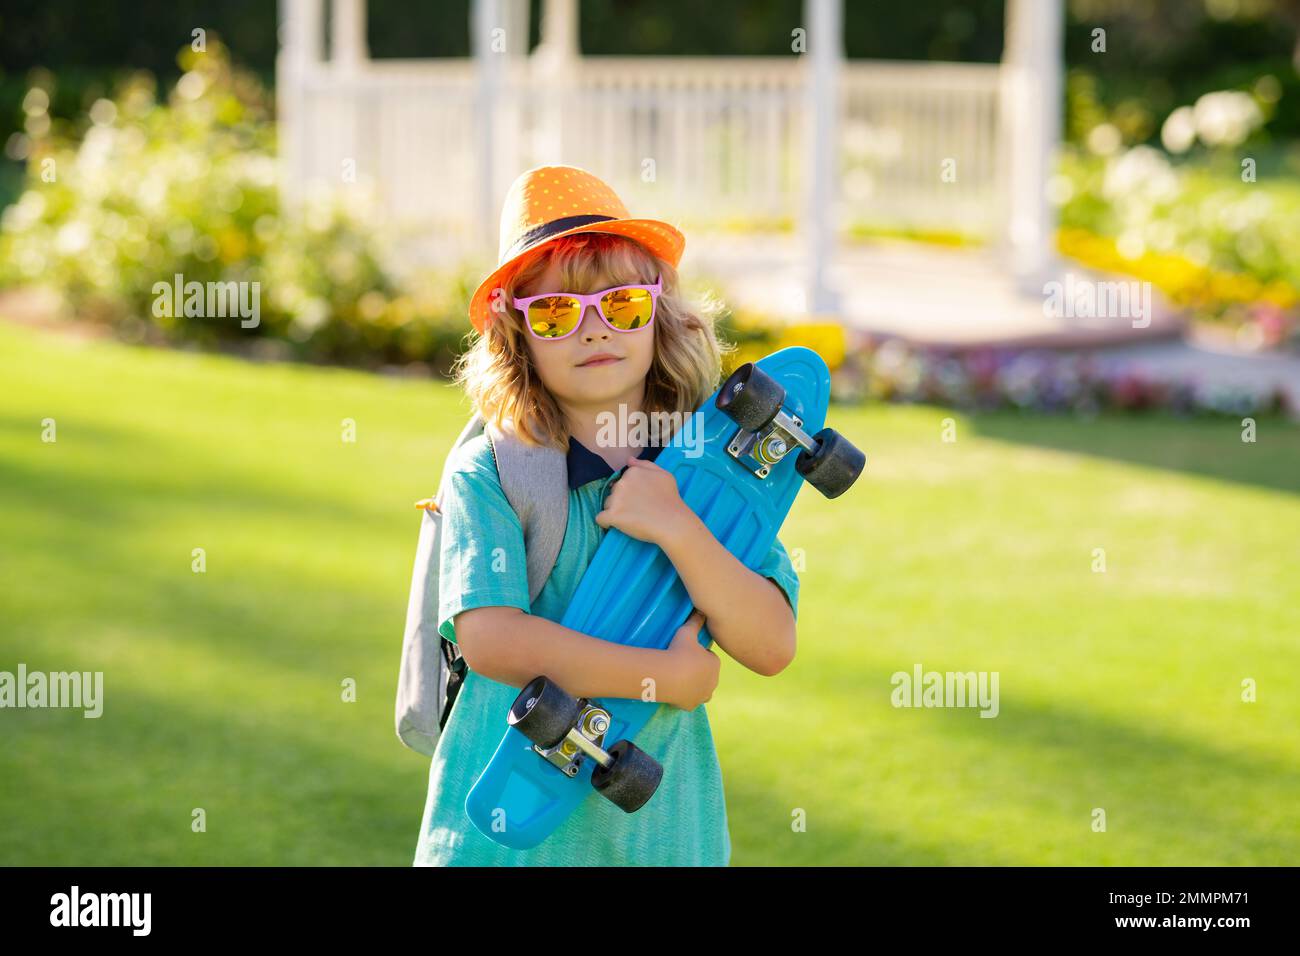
<point>1119,690</point>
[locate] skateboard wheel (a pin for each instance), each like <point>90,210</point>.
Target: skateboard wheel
<point>543,712</point>
<point>750,397</point>
<point>631,779</point>
<point>834,467</point>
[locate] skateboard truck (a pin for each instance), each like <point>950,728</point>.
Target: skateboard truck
<point>564,730</point>
<point>585,738</point>
<point>760,450</point>
<point>754,400</point>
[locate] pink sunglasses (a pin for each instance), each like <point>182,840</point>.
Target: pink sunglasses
<point>557,315</point>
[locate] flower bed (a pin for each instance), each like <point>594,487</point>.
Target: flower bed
<point>873,368</point>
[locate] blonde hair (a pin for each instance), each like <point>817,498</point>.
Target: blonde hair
<point>497,372</point>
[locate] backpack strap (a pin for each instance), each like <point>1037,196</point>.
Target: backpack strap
<point>535,479</point>
<point>430,673</point>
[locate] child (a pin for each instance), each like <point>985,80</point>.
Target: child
<point>563,230</point>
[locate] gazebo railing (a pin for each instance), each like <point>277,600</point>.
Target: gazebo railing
<point>709,142</point>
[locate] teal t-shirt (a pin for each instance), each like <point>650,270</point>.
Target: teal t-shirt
<point>483,565</point>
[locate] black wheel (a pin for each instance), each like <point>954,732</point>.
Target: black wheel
<point>750,397</point>
<point>544,712</point>
<point>631,779</point>
<point>834,467</point>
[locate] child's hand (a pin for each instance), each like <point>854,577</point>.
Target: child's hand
<point>695,668</point>
<point>644,502</point>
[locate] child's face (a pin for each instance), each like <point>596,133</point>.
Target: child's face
<point>559,362</point>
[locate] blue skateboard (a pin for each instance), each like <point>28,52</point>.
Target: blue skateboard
<point>554,750</point>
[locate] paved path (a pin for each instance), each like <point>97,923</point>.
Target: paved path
<point>961,298</point>
<point>928,294</point>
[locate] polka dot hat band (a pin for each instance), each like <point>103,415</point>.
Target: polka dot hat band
<point>550,202</point>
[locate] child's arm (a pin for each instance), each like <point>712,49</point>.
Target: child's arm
<point>511,646</point>
<point>748,615</point>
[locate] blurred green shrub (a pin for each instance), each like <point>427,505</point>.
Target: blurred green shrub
<point>151,190</point>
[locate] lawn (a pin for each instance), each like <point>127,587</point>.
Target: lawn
<point>1119,690</point>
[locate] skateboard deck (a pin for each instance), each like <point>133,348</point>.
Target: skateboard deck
<point>631,594</point>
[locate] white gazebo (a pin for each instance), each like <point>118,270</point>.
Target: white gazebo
<point>726,146</point>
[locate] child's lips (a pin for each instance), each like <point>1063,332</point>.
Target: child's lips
<point>605,360</point>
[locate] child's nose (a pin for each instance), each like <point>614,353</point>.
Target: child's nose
<point>591,322</point>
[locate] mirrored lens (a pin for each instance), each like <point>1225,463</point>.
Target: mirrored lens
<point>628,309</point>
<point>553,315</point>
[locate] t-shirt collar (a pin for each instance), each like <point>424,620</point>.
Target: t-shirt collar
<point>585,465</point>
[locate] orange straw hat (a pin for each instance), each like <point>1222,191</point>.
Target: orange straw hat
<point>550,202</point>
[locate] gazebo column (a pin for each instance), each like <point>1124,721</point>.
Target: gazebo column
<point>355,138</point>
<point>824,62</point>
<point>300,54</point>
<point>348,47</point>
<point>553,67</point>
<point>302,43</point>
<point>1032,63</point>
<point>485,16</point>
<point>560,38</point>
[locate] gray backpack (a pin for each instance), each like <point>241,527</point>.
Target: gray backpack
<point>535,479</point>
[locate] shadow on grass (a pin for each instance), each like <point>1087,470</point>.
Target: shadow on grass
<point>121,790</point>
<point>1179,791</point>
<point>835,835</point>
<point>1211,448</point>
<point>126,484</point>
<point>110,571</point>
